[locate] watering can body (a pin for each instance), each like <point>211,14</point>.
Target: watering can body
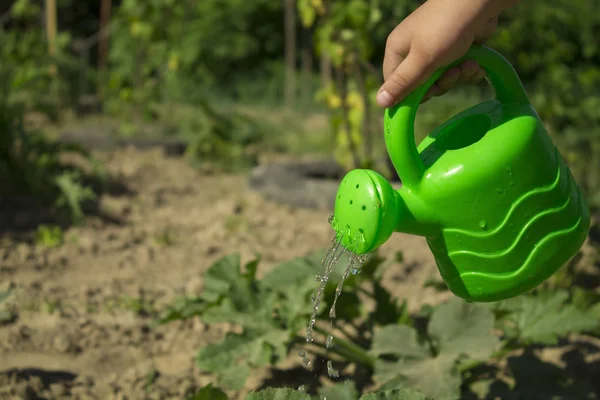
<point>488,189</point>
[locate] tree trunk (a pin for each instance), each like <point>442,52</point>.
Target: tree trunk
<point>290,52</point>
<point>307,67</point>
<point>50,13</point>
<point>103,42</point>
<point>325,70</point>
<point>366,123</point>
<point>342,82</point>
<point>105,10</point>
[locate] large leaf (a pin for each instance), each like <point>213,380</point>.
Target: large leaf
<point>209,392</point>
<point>341,391</point>
<point>398,394</point>
<point>4,295</point>
<point>232,358</point>
<point>225,277</point>
<point>182,308</point>
<point>545,317</point>
<point>295,280</point>
<point>293,272</point>
<point>258,318</point>
<point>278,394</point>
<point>261,312</point>
<point>457,330</point>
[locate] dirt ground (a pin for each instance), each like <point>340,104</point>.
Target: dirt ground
<point>85,309</point>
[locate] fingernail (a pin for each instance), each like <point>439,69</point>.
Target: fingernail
<point>384,98</point>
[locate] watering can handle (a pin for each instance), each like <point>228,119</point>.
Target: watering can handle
<point>400,119</point>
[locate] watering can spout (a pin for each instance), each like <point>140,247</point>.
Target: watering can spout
<point>368,211</point>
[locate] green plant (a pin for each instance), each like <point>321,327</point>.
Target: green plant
<point>6,315</point>
<point>50,236</point>
<point>223,139</point>
<point>43,80</point>
<point>441,351</point>
<point>31,164</point>
<point>341,391</point>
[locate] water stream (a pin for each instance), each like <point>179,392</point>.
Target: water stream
<point>330,260</point>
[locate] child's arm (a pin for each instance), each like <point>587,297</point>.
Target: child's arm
<point>436,34</point>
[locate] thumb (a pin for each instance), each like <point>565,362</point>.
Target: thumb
<point>409,75</point>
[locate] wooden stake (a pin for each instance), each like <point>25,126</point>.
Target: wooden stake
<point>105,11</point>
<point>51,30</point>
<point>51,26</point>
<point>290,52</point>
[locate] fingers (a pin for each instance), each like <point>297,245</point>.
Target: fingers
<point>467,73</point>
<point>412,72</point>
<point>468,70</point>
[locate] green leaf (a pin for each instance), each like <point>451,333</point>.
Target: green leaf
<point>398,394</point>
<point>482,387</point>
<point>340,391</point>
<point>73,194</point>
<point>387,310</point>
<point>457,330</point>
<point>232,358</point>
<point>7,316</point>
<point>594,311</point>
<point>221,277</point>
<point>307,12</point>
<point>278,394</point>
<point>4,295</point>
<point>181,309</point>
<point>463,329</point>
<point>400,340</point>
<point>251,268</point>
<point>255,315</point>
<point>545,317</point>
<point>293,272</point>
<point>209,392</point>
<point>234,377</point>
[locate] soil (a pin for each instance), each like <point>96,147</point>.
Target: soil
<point>84,310</point>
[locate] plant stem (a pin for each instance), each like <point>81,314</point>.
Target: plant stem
<point>350,350</point>
<point>470,364</point>
<point>360,341</point>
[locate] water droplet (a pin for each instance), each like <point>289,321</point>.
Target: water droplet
<point>483,224</point>
<point>305,359</point>
<point>329,341</point>
<point>302,388</point>
<point>332,372</point>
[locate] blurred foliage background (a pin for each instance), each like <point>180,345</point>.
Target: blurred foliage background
<point>236,78</point>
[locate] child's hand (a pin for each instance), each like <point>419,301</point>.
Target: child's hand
<point>436,34</point>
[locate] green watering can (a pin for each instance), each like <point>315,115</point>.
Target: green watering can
<point>488,189</point>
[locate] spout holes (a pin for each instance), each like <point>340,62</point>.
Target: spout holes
<point>351,202</point>
<point>364,208</point>
<point>357,186</point>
